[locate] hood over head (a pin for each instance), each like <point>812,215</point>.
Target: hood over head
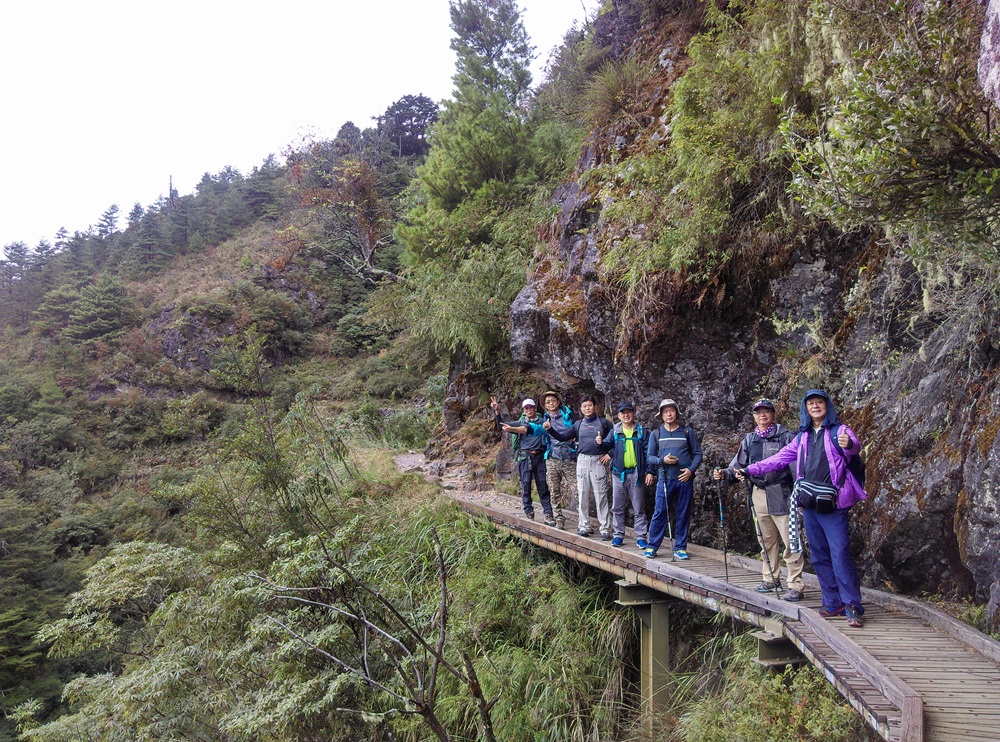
<point>831,419</point>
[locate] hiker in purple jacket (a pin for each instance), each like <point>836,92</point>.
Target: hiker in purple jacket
<point>821,452</point>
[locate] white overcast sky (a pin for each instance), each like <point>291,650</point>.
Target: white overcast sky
<point>103,101</point>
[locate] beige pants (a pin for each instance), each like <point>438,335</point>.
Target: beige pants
<point>774,531</point>
<point>592,481</point>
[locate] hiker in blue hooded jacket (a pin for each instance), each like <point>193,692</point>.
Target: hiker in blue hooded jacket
<point>826,489</point>
<point>529,455</point>
<point>592,433</point>
<point>628,474</point>
<point>674,455</point>
<point>560,458</point>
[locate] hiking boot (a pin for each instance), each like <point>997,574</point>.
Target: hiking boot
<point>681,554</point>
<point>530,515</point>
<point>617,541</point>
<point>561,524</point>
<point>854,619</point>
<point>583,532</point>
<point>649,553</point>
<point>549,521</point>
<point>792,595</point>
<point>766,587</point>
<point>605,536</point>
<point>833,612</point>
<point>641,543</point>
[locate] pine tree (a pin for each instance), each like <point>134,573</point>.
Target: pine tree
<point>469,231</point>
<point>102,310</point>
<point>481,136</point>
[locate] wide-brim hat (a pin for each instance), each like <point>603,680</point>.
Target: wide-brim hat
<point>552,393</point>
<point>669,403</point>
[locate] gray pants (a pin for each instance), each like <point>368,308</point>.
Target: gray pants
<point>592,481</point>
<point>629,488</point>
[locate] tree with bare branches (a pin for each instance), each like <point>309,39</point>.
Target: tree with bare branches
<point>381,628</point>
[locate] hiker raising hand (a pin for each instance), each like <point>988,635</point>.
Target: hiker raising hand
<point>529,446</point>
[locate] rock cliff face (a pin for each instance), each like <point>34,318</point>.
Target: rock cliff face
<point>916,379</point>
<point>989,59</point>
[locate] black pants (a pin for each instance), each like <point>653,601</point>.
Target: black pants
<point>533,468</point>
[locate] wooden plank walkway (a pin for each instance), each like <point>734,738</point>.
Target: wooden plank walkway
<point>913,673</point>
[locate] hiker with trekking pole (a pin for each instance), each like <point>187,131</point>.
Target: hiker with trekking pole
<point>673,456</point>
<point>828,482</point>
<point>769,501</point>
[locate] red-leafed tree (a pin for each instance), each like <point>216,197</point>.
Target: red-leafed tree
<point>356,220</point>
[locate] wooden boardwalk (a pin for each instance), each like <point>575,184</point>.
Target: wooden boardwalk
<point>914,673</point>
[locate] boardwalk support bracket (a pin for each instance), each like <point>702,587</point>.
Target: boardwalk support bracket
<point>653,611</point>
<point>776,652</point>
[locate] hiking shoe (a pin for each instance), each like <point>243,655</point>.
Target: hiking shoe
<point>833,612</point>
<point>617,541</point>
<point>854,619</point>
<point>605,536</point>
<point>550,521</point>
<point>530,516</point>
<point>766,587</point>
<point>561,524</point>
<point>649,553</point>
<point>681,554</point>
<point>641,543</point>
<point>583,532</point>
<point>792,595</point>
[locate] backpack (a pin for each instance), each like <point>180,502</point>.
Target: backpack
<point>515,438</point>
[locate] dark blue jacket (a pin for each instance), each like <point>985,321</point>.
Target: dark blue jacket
<point>641,437</point>
<point>682,443</point>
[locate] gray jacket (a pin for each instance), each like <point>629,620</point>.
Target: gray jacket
<point>778,484</point>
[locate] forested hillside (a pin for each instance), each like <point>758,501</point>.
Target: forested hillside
<point>202,534</point>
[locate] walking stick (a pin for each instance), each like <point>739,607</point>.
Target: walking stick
<point>722,526</point>
<point>760,535</point>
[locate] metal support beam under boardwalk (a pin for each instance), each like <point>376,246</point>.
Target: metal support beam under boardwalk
<point>653,611</point>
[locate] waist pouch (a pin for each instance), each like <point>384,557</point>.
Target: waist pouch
<point>819,497</point>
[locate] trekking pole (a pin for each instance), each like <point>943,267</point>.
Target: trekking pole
<point>760,535</point>
<point>722,526</point>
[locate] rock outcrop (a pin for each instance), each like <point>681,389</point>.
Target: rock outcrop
<point>916,378</point>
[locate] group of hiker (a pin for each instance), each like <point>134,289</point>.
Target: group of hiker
<point>807,477</point>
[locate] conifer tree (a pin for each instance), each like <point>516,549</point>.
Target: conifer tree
<point>102,310</point>
<point>481,136</point>
<point>469,232</point>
